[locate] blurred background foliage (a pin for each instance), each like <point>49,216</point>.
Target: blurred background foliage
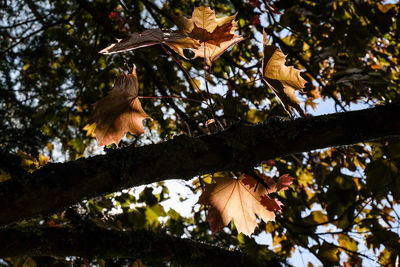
<point>343,208</point>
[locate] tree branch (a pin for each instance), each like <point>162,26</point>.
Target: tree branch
<point>90,242</point>
<point>57,185</point>
<point>45,26</point>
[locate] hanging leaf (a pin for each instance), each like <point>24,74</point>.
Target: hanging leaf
<point>282,80</point>
<point>215,35</point>
<point>119,112</point>
<point>149,37</point>
<point>236,199</point>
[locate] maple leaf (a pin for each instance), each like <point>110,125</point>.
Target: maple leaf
<point>236,199</point>
<point>177,41</point>
<point>282,80</point>
<point>270,204</point>
<point>215,34</point>
<point>119,112</point>
<point>283,182</point>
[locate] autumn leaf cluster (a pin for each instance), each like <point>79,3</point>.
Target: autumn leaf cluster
<point>208,37</point>
<point>342,207</point>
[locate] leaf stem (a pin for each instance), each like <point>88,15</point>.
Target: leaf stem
<point>217,123</point>
<point>185,71</point>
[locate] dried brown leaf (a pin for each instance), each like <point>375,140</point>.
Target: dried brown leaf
<point>235,199</point>
<point>214,34</point>
<point>149,37</point>
<point>282,80</point>
<point>119,112</point>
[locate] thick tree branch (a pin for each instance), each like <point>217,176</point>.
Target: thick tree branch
<point>58,185</point>
<point>90,242</point>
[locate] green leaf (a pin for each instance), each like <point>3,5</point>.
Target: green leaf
<point>152,214</point>
<point>329,255</point>
<point>380,174</point>
<point>147,196</point>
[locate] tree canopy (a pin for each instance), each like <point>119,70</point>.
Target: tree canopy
<point>221,106</point>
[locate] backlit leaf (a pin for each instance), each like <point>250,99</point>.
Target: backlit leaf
<point>282,80</point>
<point>214,34</point>
<point>149,37</point>
<point>235,199</point>
<point>119,112</point>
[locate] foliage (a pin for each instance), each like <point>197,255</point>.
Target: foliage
<point>239,199</point>
<point>343,206</point>
<point>119,112</point>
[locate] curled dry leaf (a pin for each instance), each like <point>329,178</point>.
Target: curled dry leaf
<point>282,80</point>
<point>119,112</point>
<point>236,199</point>
<point>204,34</point>
<point>149,37</point>
<point>215,34</point>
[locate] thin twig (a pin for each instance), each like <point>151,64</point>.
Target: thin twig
<point>208,91</point>
<point>124,7</point>
<point>193,125</point>
<point>18,24</point>
<point>172,96</point>
<point>258,179</point>
<point>185,71</point>
<point>37,31</point>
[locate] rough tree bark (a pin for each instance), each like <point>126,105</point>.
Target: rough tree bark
<point>92,242</point>
<point>58,185</point>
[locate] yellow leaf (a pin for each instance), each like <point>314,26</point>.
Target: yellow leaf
<point>28,162</point>
<point>43,160</point>
<point>153,125</point>
<point>208,179</point>
<point>385,7</point>
<point>195,83</point>
<point>347,242</point>
<point>89,128</point>
<point>282,80</point>
<point>304,177</point>
<point>49,146</point>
